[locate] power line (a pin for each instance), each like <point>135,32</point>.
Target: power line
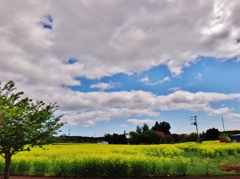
<point>201,124</point>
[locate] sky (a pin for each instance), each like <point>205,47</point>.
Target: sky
<point>113,65</point>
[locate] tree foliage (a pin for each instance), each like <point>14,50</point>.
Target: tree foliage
<point>116,138</point>
<point>163,140</point>
<point>145,127</point>
<point>162,127</point>
<point>134,138</point>
<point>139,130</point>
<point>150,137</point>
<point>144,135</point>
<point>24,123</point>
<point>212,134</point>
<point>160,134</point>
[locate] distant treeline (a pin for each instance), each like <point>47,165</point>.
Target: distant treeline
<point>123,139</point>
<point>79,139</point>
<point>230,132</point>
<point>109,138</point>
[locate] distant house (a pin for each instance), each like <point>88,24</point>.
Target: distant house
<point>103,142</point>
<point>235,138</point>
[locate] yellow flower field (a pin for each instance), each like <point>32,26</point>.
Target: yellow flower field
<point>97,160</point>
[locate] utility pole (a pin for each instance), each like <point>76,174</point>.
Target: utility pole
<point>69,135</point>
<point>223,124</point>
<point>195,123</point>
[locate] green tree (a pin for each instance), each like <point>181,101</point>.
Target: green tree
<point>162,127</point>
<point>165,127</point>
<point>24,123</point>
<point>176,137</point>
<point>133,137</point>
<point>145,127</point>
<point>192,137</point>
<point>150,137</point>
<point>139,130</point>
<point>212,134</point>
<point>163,140</point>
<point>170,139</point>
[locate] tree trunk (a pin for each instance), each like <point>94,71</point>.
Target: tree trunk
<point>7,165</point>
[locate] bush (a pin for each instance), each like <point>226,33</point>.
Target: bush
<point>170,139</point>
<point>163,140</point>
<point>224,138</point>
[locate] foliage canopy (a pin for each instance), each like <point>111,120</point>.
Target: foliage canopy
<point>24,123</point>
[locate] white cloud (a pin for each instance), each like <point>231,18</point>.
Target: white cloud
<point>112,37</point>
<point>123,125</point>
<point>238,58</point>
<point>174,89</point>
<point>145,33</point>
<point>161,81</point>
<point>190,84</point>
<point>199,76</point>
<point>89,108</point>
<point>104,86</point>
<point>232,116</point>
<point>147,81</point>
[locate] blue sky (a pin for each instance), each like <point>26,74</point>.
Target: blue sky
<point>113,65</point>
<point>205,75</point>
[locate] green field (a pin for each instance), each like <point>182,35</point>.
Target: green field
<point>97,160</point>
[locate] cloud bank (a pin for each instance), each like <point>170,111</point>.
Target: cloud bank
<point>40,39</point>
<point>87,109</point>
<point>107,37</point>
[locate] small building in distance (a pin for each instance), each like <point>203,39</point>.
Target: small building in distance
<point>103,142</point>
<point>235,138</point>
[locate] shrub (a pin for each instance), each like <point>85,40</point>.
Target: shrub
<point>224,138</point>
<point>163,140</point>
<point>170,139</point>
